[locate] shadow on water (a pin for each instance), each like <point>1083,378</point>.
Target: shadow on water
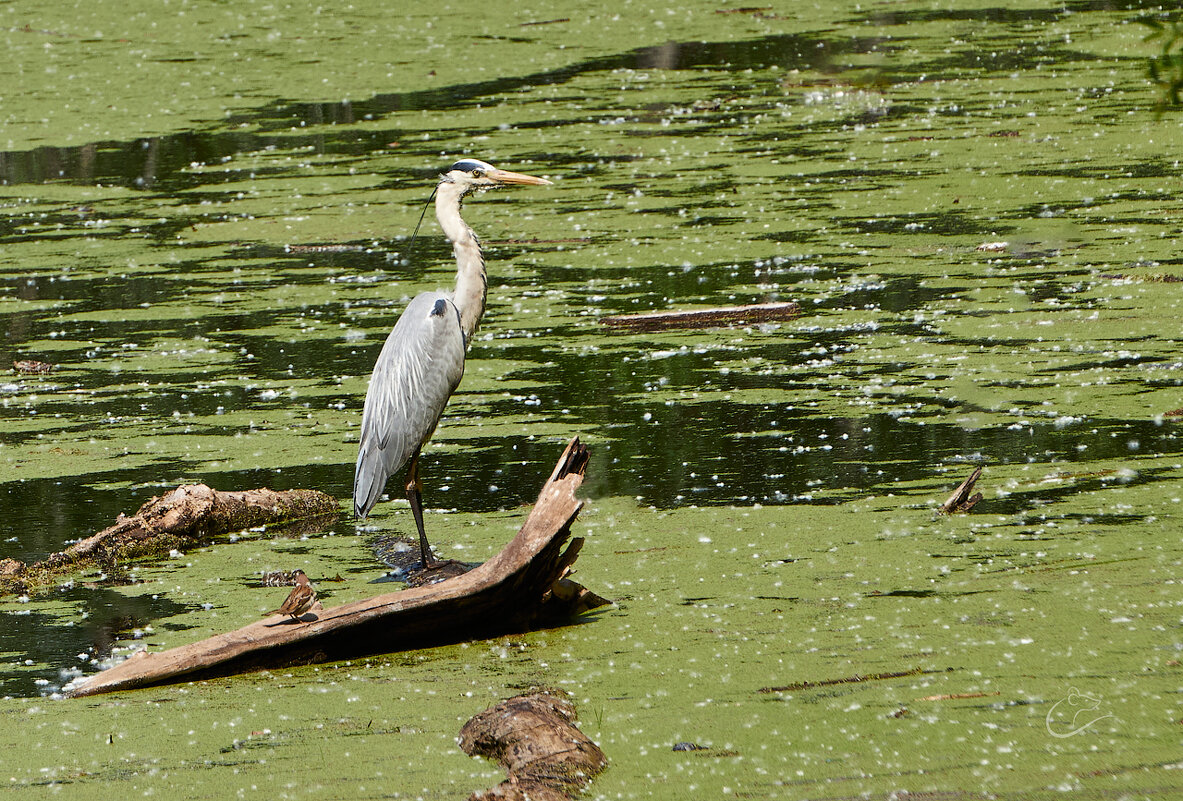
<point>1015,16</point>
<point>35,638</point>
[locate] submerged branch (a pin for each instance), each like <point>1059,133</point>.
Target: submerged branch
<point>728,316</point>
<point>809,685</point>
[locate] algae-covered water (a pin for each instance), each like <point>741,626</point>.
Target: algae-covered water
<point>205,212</point>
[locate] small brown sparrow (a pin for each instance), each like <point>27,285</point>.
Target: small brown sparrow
<point>299,601</point>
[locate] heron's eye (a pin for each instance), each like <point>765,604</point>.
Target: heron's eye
<point>478,173</point>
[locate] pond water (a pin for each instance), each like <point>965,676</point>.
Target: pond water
<point>205,228</point>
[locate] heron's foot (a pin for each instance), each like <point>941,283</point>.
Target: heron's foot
<point>439,570</point>
<point>406,562</point>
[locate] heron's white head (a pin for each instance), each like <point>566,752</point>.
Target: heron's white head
<point>470,175</point>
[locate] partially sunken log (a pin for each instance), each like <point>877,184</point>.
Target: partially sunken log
<point>961,500</point>
<point>522,587</point>
<point>730,316</point>
<point>189,516</point>
<point>535,738</point>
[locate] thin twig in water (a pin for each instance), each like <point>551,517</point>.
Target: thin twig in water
<point>958,696</point>
<point>809,685</point>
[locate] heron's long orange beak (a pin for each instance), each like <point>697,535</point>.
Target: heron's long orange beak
<point>507,177</point>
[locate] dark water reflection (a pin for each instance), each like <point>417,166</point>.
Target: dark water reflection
<point>160,163</point>
<point>53,648</point>
<point>663,429</point>
<point>703,453</point>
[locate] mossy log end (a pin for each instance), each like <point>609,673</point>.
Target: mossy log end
<point>535,738</point>
<point>524,586</point>
<point>188,516</point>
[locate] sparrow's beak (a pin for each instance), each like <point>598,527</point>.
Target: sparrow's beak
<point>507,177</point>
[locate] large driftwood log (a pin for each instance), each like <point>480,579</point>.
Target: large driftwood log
<point>188,516</point>
<point>728,316</point>
<point>524,585</point>
<point>534,736</point>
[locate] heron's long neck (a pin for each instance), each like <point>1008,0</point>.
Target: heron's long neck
<point>471,283</point>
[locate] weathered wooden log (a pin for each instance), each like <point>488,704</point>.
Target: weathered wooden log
<point>535,738</point>
<point>961,500</point>
<point>188,516</point>
<point>520,587</point>
<point>729,316</point>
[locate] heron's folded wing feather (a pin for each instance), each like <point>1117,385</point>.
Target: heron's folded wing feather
<point>418,369</point>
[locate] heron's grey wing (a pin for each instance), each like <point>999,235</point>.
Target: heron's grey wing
<point>418,369</point>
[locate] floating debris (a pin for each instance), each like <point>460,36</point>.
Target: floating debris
<point>31,367</point>
<point>280,578</point>
<point>759,12</point>
<point>544,22</point>
<point>1150,278</point>
<point>324,248</point>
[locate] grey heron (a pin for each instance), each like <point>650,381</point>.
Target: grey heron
<point>422,362</point>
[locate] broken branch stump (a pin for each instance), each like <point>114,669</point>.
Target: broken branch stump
<point>535,738</point>
<point>961,500</point>
<point>520,587</point>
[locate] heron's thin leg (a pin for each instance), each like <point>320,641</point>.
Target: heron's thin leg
<point>415,496</point>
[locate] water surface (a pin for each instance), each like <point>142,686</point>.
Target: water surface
<point>976,208</point>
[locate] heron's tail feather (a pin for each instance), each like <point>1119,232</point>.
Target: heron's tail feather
<point>368,482</point>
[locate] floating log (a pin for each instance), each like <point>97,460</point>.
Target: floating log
<point>961,500</point>
<point>188,516</point>
<point>729,316</point>
<point>525,585</point>
<point>535,738</point>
